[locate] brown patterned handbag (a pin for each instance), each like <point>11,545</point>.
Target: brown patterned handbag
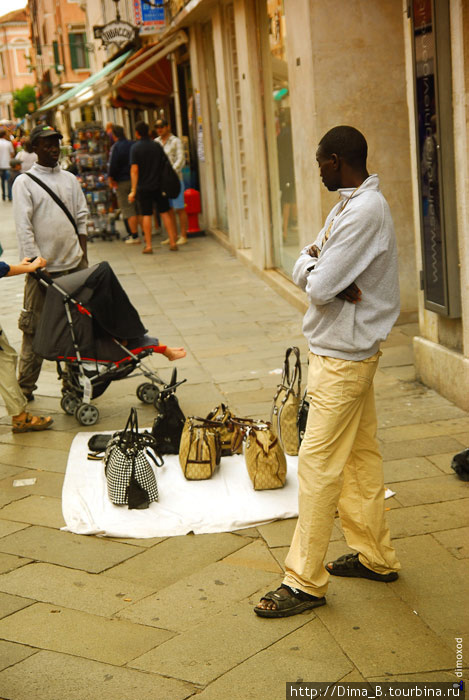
<point>199,450</point>
<point>265,459</point>
<point>221,419</point>
<point>286,404</point>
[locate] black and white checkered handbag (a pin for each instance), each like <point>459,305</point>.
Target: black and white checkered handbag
<point>128,466</point>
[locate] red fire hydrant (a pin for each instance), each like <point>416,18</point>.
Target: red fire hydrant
<point>193,209</point>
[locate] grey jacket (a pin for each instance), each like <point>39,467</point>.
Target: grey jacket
<point>361,248</point>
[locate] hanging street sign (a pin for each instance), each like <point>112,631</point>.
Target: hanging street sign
<point>116,32</point>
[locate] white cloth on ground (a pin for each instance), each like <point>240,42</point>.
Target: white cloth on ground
<point>224,503</point>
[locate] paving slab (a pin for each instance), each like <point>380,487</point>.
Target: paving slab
<point>452,426</point>
<point>205,594</point>
<point>10,604</point>
<point>418,520</point>
<point>254,556</point>
<point>420,448</point>
<point>308,653</point>
<point>92,554</point>
<point>425,586</point>
<point>51,676</point>
<point>8,562</point>
<point>409,469</point>
<point>176,558</point>
<point>7,527</point>
<point>428,677</point>
<point>370,637</point>
<point>9,470</point>
<point>35,457</point>
<point>45,484</point>
<point>443,461</point>
<point>455,541</point>
<point>80,634</point>
<point>72,588</point>
<point>36,510</point>
<point>11,654</point>
<point>214,647</point>
<point>430,490</point>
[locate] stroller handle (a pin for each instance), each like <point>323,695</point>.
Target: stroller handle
<point>42,276</point>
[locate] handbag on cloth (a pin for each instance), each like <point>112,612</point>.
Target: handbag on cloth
<point>303,416</point>
<point>265,459</point>
<point>169,423</point>
<point>286,403</point>
<point>221,419</point>
<point>130,476</point>
<point>200,449</point>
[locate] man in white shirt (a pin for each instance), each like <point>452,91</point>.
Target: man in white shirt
<point>43,229</point>
<point>174,149</point>
<point>7,152</point>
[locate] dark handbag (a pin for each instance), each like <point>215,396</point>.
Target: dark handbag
<point>97,445</point>
<point>130,476</point>
<point>170,183</point>
<point>302,416</point>
<point>169,423</point>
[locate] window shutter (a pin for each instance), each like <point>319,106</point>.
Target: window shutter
<point>55,47</point>
<point>73,51</point>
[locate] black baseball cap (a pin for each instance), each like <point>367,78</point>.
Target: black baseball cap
<point>40,132</point>
<point>160,123</point>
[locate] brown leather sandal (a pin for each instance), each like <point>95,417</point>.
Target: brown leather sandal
<point>31,423</point>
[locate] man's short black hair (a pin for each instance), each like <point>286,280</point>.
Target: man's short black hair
<point>142,128</point>
<point>348,143</point>
<point>118,131</point>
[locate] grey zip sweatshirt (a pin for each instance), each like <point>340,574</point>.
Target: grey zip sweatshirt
<point>361,248</point>
<point>42,228</point>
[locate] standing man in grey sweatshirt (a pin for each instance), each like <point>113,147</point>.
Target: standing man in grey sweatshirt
<point>43,229</point>
<point>350,276</point>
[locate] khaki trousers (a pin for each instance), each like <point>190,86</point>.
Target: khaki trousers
<point>339,466</point>
<point>9,387</point>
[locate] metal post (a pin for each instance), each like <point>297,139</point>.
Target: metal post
<point>177,104</point>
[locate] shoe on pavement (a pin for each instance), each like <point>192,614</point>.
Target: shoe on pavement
<point>132,240</point>
<point>181,241</point>
<point>147,251</point>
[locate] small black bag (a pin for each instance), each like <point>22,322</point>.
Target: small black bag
<point>168,424</point>
<point>302,416</point>
<point>170,183</point>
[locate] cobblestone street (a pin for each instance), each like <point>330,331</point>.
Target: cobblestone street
<point>90,618</point>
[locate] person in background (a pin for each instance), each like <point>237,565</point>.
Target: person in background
<point>27,157</point>
<point>119,177</point>
<point>7,152</point>
<point>44,230</point>
<point>15,170</point>
<point>146,161</point>
<point>174,149</point>
<point>15,401</point>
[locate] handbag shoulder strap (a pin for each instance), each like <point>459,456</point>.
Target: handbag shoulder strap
<point>56,199</point>
<point>289,377</point>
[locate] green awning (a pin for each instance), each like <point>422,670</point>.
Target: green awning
<point>109,68</point>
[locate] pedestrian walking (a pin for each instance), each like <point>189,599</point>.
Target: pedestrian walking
<point>15,401</point>
<point>119,174</point>
<point>7,152</point>
<point>174,149</point>
<point>350,276</point>
<point>146,158</point>
<point>27,157</point>
<point>43,229</point>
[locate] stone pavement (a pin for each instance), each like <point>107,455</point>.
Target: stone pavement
<point>171,618</point>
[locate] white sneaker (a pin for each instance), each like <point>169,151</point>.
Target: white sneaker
<point>181,241</point>
<point>131,241</point>
<point>166,242</point>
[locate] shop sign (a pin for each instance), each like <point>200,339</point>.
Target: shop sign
<point>149,15</point>
<point>116,32</point>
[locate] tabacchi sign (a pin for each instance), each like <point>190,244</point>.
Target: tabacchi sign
<point>116,32</point>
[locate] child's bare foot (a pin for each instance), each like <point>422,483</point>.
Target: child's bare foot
<point>174,353</point>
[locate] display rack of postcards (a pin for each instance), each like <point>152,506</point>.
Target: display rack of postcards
<point>91,152</point>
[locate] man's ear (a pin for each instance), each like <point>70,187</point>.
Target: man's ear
<point>335,160</point>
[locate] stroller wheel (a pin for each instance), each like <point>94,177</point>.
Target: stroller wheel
<point>147,393</point>
<point>87,414</point>
<point>69,403</point>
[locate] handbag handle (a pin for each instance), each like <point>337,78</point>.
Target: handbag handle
<point>287,380</point>
<point>130,432</point>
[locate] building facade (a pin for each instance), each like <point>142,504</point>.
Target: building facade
<point>15,52</point>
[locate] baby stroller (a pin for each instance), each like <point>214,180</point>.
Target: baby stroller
<point>90,328</point>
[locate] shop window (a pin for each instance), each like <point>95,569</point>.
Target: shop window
<point>78,51</point>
